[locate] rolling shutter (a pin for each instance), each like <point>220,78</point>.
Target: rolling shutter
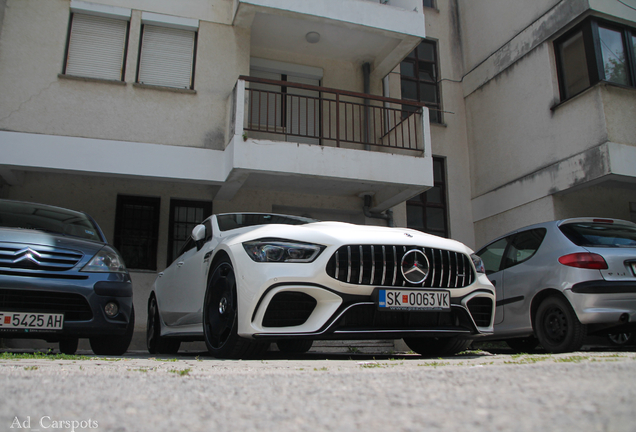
<point>96,47</point>
<point>166,57</point>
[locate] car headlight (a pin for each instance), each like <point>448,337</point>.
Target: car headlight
<point>106,261</point>
<point>282,251</point>
<point>479,264</point>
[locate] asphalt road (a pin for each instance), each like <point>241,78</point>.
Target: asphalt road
<point>476,391</point>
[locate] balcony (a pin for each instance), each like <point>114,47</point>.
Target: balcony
<point>300,138</point>
<point>380,33</point>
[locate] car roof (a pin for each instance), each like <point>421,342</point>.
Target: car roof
<point>557,223</point>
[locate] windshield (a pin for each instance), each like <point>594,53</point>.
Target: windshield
<point>232,221</point>
<point>29,216</point>
<point>597,234</point>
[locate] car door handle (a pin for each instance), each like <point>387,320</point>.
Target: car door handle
<point>180,263</point>
<point>207,255</point>
<point>160,274</point>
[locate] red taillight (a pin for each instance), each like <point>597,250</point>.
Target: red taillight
<point>584,260</point>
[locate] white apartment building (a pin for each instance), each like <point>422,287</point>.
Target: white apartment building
<point>463,118</point>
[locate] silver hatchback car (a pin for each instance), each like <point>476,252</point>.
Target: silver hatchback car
<point>557,282</point>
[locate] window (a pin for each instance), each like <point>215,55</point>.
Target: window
<point>96,46</point>
<point>167,51</point>
<point>137,231</point>
<point>595,51</point>
<point>523,246</point>
<point>492,255</point>
<point>429,3</point>
<point>418,77</point>
<point>428,212</point>
<point>184,216</point>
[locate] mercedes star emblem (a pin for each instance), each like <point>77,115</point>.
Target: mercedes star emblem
<point>415,266</point>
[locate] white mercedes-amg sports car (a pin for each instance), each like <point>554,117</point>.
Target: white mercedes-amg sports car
<point>245,280</point>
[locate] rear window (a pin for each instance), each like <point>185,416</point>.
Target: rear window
<point>600,234</point>
<point>55,220</point>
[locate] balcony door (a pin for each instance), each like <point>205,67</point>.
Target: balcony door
<point>285,110</point>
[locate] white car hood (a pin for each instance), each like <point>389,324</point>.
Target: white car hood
<point>340,233</point>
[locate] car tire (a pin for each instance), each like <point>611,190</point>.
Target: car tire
<point>68,345</point>
<point>557,326</point>
<point>294,346</point>
<point>154,342</point>
<point>435,347</point>
<point>620,339</point>
<point>114,345</point>
<point>523,345</point>
<point>220,317</point>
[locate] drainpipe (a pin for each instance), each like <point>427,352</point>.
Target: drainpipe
<point>387,216</point>
<point>366,73</point>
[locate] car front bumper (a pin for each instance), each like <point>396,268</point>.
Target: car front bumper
<point>82,301</point>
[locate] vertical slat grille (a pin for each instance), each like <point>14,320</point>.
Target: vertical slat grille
<point>381,265</point>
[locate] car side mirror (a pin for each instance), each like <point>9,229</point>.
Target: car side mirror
<point>198,235</point>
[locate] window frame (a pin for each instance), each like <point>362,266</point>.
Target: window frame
<point>153,238</point>
<point>174,23</point>
<point>67,49</point>
<point>206,206</point>
<point>435,109</point>
<point>421,201</point>
<point>593,52</point>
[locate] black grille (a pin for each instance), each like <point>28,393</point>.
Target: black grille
<point>380,265</point>
<point>74,306</point>
<point>481,310</point>
<point>289,309</point>
<point>37,257</point>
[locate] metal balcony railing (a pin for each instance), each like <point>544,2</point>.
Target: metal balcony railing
<point>318,115</point>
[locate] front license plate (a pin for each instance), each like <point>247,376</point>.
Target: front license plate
<point>413,300</point>
<point>30,321</point>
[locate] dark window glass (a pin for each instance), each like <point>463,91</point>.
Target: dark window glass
<point>428,3</point>
<point>184,216</point>
<point>428,212</point>
<point>418,72</point>
<point>574,65</point>
<point>523,246</point>
<point>137,231</point>
<point>598,234</point>
<point>614,60</point>
<point>595,51</point>
<point>492,255</point>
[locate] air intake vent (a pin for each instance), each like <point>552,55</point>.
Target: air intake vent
<point>74,306</point>
<point>380,265</point>
<point>481,310</point>
<point>288,309</point>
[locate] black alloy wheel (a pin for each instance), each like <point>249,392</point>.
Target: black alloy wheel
<point>154,342</point>
<point>557,326</point>
<point>220,317</point>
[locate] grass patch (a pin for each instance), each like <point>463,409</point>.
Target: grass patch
<point>182,372</point>
<point>39,355</point>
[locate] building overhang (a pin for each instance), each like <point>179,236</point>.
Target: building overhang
<point>250,164</point>
<point>350,30</point>
<point>608,162</point>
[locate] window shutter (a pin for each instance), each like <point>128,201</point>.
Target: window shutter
<point>166,57</point>
<point>96,47</point>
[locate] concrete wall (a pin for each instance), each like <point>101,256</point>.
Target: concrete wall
<point>32,56</point>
